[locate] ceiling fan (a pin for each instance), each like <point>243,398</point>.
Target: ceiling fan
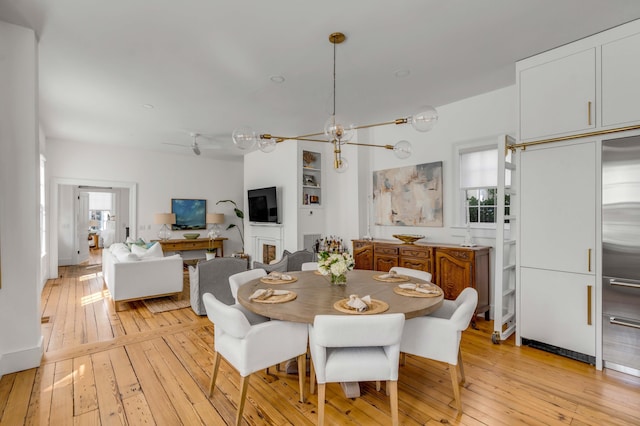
<point>195,147</point>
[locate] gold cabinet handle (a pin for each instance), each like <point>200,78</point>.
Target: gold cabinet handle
<point>589,260</point>
<point>589,112</point>
<point>589,287</point>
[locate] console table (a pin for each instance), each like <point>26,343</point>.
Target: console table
<point>185,244</point>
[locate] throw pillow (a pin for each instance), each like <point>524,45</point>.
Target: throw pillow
<point>154,251</point>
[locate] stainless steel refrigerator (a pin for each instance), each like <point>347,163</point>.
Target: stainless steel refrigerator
<point>621,254</point>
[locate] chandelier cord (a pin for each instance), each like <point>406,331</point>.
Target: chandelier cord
<point>334,79</point>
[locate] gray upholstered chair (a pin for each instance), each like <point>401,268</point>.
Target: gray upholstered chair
<point>297,258</point>
<point>309,266</point>
<point>212,276</point>
<point>280,266</point>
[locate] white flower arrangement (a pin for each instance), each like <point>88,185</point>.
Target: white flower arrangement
<point>335,263</point>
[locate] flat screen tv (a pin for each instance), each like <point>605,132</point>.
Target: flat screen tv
<point>263,205</point>
<point>190,214</point>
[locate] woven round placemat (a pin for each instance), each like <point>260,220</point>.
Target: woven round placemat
<point>414,293</point>
<point>376,307</point>
<point>272,281</point>
<point>280,298</point>
<point>388,279</point>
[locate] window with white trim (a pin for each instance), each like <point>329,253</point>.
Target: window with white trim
<point>479,184</point>
<point>100,208</point>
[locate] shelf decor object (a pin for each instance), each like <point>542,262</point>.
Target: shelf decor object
<point>164,219</point>
<point>336,131</point>
<point>408,239</point>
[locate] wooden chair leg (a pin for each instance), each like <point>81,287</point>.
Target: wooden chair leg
<point>214,374</point>
<point>244,385</point>
<point>461,367</point>
<point>312,377</point>
<point>393,400</point>
<point>321,394</point>
<point>456,386</point>
<point>387,387</point>
<point>378,385</point>
<point>302,373</point>
<point>403,358</point>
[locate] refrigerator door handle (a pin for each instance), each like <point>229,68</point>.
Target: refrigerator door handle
<point>622,283</point>
<point>626,322</point>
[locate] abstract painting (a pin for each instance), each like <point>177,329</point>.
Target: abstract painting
<point>408,196</point>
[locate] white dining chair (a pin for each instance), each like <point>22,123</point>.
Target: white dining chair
<point>414,273</point>
<point>356,349</point>
<point>249,348</point>
<point>438,337</point>
<point>309,266</point>
<point>240,278</point>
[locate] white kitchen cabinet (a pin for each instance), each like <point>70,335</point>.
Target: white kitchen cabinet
<point>558,308</point>
<point>620,88</point>
<point>558,207</point>
<point>558,96</point>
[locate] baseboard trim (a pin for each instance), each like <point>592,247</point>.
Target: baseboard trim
<point>22,360</point>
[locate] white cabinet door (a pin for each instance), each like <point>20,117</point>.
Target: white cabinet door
<point>620,88</point>
<point>555,310</point>
<point>558,97</point>
<point>558,207</point>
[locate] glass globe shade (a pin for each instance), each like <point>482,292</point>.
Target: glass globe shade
<point>402,149</point>
<point>266,145</point>
<point>335,128</point>
<point>244,137</point>
<point>343,166</point>
<point>424,120</point>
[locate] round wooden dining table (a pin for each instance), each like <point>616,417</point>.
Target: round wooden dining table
<point>315,295</point>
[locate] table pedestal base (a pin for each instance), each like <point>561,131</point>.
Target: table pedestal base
<point>350,389</point>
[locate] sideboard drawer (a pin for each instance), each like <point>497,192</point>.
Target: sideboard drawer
<point>380,249</point>
<point>419,252</point>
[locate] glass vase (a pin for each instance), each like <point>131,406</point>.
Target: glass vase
<point>340,279</point>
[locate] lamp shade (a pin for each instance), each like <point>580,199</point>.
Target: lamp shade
<point>164,218</point>
<point>94,222</point>
<point>215,218</point>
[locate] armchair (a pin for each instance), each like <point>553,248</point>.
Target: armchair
<point>438,337</point>
<point>249,348</point>
<point>212,276</point>
<point>353,349</point>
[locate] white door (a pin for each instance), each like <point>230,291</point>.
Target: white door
<point>82,228</point>
<point>558,308</point>
<point>558,97</point>
<point>620,88</point>
<point>557,210</point>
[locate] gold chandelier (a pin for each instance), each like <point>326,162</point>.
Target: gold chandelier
<point>337,132</point>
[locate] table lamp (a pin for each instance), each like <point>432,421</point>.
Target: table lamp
<point>93,224</point>
<point>164,219</point>
<point>214,219</point>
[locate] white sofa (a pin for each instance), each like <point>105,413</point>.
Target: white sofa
<point>139,273</point>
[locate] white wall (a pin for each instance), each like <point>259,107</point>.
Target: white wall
<point>20,335</point>
<point>159,176</point>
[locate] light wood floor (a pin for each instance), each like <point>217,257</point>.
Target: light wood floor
<point>135,367</point>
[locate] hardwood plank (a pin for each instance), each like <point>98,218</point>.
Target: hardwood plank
<point>107,394</point>
<point>41,395</point>
<point>137,410</point>
<point>17,406</point>
<point>84,386</point>
<point>128,385</point>
<point>90,418</point>
<point>6,384</point>
<point>62,397</point>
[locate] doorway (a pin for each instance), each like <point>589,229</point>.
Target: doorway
<point>59,189</point>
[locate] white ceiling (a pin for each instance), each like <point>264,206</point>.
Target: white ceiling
<point>205,65</point>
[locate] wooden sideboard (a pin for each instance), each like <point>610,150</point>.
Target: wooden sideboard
<point>452,267</point>
<point>185,244</point>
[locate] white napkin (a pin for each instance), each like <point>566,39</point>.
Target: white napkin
<point>359,304</point>
<point>263,293</point>
<point>390,274</point>
<point>274,275</point>
<point>421,288</point>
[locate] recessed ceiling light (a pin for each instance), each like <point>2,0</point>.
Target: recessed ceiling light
<point>402,73</point>
<point>148,106</point>
<point>277,79</point>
